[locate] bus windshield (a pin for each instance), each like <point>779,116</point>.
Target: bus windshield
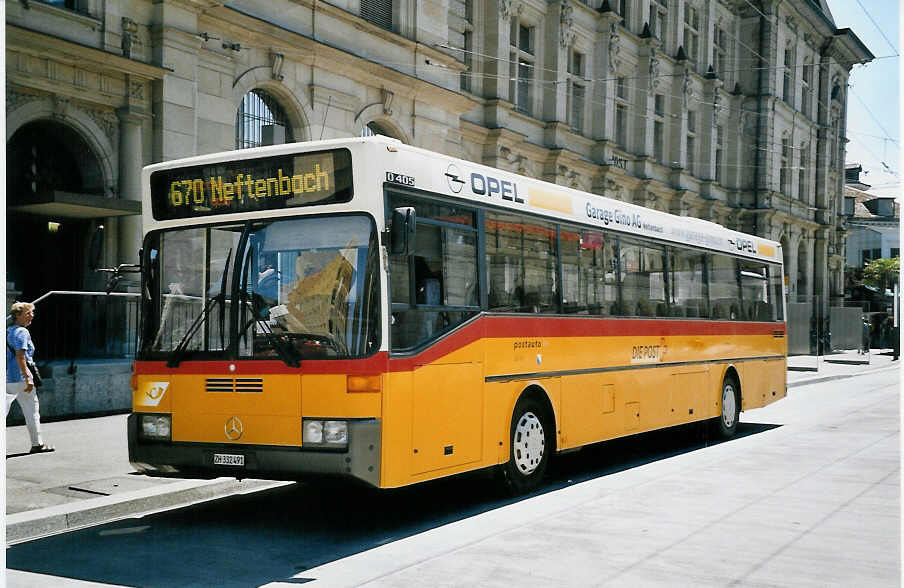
<point>289,289</point>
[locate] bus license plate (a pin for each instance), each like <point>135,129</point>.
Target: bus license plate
<point>228,459</point>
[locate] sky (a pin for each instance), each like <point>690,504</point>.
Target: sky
<point>874,93</point>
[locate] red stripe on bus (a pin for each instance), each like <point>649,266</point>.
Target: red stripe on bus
<point>513,327</point>
<point>369,365</point>
<point>496,327</point>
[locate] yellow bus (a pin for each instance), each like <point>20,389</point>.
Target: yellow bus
<point>371,310</point>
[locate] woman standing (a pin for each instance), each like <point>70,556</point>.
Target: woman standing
<point>19,382</point>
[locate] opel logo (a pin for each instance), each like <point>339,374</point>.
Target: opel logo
<point>452,177</point>
<point>234,429</point>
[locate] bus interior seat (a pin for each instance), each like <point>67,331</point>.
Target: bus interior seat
<point>748,312</point>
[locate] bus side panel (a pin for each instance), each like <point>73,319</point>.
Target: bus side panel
<point>423,404</point>
<point>497,418</point>
<point>446,416</point>
<point>326,395</point>
<point>588,409</point>
<point>397,428</point>
<point>688,391</point>
<point>762,382</point>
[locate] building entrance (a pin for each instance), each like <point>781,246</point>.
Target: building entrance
<point>53,178</point>
<point>50,169</point>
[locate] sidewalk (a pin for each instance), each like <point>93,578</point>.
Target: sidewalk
<point>88,479</point>
<point>811,369</point>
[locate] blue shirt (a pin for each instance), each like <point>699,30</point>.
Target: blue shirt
<point>18,338</point>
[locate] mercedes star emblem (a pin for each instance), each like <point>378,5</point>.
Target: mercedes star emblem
<point>234,429</point>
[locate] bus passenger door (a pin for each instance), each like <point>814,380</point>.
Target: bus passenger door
<point>447,416</point>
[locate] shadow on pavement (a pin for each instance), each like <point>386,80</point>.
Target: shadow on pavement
<point>249,540</point>
<point>24,453</point>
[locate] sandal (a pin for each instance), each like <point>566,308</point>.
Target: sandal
<point>42,448</point>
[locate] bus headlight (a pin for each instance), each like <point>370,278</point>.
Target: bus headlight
<point>312,432</point>
<point>322,433</point>
<point>156,427</point>
<point>335,432</point>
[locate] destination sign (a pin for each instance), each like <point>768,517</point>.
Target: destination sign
<point>247,185</point>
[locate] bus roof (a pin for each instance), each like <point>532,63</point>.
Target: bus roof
<point>414,167</point>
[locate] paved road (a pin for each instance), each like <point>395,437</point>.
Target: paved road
<point>807,496</point>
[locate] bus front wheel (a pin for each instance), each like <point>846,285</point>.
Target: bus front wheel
<point>727,423</point>
<point>531,443</point>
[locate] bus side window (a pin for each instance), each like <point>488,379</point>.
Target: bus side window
<point>435,288</point>
<point>724,287</point>
<point>521,264</point>
<point>427,283</point>
<point>588,282</point>
<point>757,294</point>
<point>686,283</point>
<point>644,278</point>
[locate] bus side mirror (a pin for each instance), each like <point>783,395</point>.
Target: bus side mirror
<point>401,233</point>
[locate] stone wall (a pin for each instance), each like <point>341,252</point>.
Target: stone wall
<point>82,389</point>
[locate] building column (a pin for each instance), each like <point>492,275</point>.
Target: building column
<point>791,267</point>
<point>130,163</point>
<point>642,105</point>
<point>821,268</point>
<point>499,19</point>
<point>807,242</point>
<point>604,74</point>
<point>554,77</point>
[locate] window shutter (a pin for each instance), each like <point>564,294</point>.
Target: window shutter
<point>378,12</point>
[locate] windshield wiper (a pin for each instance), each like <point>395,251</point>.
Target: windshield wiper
<point>177,354</point>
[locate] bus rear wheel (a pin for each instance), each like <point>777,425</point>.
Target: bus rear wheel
<point>531,443</point>
<point>727,424</point>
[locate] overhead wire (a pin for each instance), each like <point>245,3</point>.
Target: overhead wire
<point>878,28</point>
<point>520,62</point>
<point>870,112</point>
<point>621,79</point>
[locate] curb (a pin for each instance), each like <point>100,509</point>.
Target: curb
<point>29,525</point>
<point>820,379</point>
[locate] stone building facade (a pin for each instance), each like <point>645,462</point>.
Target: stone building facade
<point>731,110</point>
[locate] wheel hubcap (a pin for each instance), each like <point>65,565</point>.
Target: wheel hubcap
<point>528,443</point>
<point>728,405</point>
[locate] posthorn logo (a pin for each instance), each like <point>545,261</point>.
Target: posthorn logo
<point>453,177</point>
<point>153,392</point>
<point>234,429</point>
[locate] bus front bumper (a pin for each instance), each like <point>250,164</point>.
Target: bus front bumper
<point>361,460</point>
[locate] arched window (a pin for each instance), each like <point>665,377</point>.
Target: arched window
<point>373,128</point>
<point>261,121</point>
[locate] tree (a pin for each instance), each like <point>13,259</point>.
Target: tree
<point>882,273</point>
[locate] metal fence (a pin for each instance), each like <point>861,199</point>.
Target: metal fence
<point>851,327</point>
<point>806,327</point>
<point>72,325</point>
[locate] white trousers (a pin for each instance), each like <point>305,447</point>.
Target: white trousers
<point>28,402</point>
